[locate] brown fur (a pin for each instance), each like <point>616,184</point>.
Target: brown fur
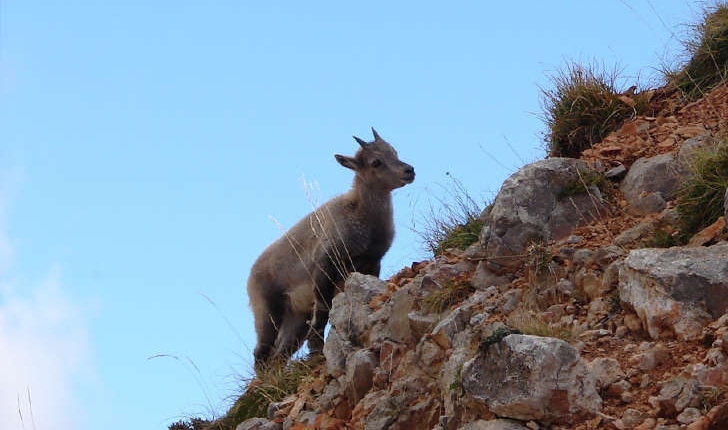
<point>293,282</point>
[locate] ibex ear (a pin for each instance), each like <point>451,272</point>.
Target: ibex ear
<point>348,162</point>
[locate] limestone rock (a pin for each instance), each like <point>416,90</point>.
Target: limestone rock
<point>606,370</point>
<point>391,321</point>
<point>420,324</point>
<point>710,234</point>
<point>616,173</point>
<point>501,424</point>
<point>530,206</point>
<point>258,424</point>
<point>445,331</point>
<point>689,415</point>
<point>638,232</point>
<point>336,350</point>
<point>450,380</point>
<point>650,183</point>
<point>630,419</point>
<point>531,378</point>
<point>384,410</point>
<point>483,277</point>
<point>350,310</point>
<point>676,290</point>
<point>676,395</point>
<point>359,372</point>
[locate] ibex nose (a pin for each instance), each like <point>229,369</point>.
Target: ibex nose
<point>409,173</point>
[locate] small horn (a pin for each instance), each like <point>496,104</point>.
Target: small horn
<point>360,142</point>
<point>376,135</point>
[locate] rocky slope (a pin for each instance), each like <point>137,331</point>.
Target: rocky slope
<point>561,317</point>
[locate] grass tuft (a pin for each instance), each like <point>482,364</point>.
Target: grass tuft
<point>584,106</point>
<point>452,292</point>
<point>700,200</point>
<point>528,324</point>
<point>498,335</point>
<point>271,384</point>
<point>661,238</point>
<point>708,53</point>
<point>456,223</point>
<point>584,181</point>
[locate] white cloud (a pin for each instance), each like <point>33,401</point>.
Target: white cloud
<point>44,348</point>
<point>44,344</point>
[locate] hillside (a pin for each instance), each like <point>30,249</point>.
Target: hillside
<point>595,297</point>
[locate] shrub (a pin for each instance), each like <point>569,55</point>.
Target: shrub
<point>708,52</point>
<point>700,199</point>
<point>583,107</point>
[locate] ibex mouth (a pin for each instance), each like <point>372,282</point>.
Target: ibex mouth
<point>408,178</point>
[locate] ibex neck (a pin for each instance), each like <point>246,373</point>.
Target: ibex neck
<point>372,199</point>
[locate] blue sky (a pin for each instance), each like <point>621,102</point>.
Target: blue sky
<point>145,148</point>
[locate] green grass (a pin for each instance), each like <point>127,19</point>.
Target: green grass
<point>526,323</point>
<point>707,50</point>
<point>455,223</point>
<point>661,238</point>
<point>452,292</point>
<point>272,384</point>
<point>700,199</point>
<point>497,336</point>
<point>584,106</point>
<point>585,180</point>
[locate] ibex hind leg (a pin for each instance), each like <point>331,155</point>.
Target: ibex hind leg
<point>315,335</point>
<point>292,333</point>
<point>267,310</point>
<point>320,317</point>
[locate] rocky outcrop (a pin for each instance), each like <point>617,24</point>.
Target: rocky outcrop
<point>542,202</point>
<point>616,337</point>
<point>676,291</point>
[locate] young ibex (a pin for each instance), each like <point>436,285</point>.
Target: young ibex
<point>293,282</point>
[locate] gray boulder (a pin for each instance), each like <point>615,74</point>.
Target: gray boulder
<point>258,424</point>
<point>651,183</point>
<point>676,291</point>
<point>606,370</point>
<point>542,202</point>
<point>501,424</point>
<point>531,378</point>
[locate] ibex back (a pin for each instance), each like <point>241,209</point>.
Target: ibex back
<point>294,280</point>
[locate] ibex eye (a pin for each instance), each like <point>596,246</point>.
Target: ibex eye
<point>376,163</point>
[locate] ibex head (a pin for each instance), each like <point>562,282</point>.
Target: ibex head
<point>376,164</point>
